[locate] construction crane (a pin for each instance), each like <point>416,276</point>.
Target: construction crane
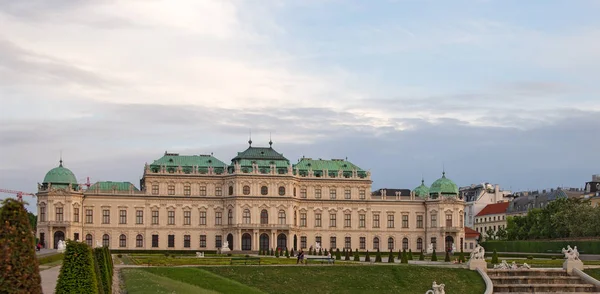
<point>87,184</point>
<point>19,194</point>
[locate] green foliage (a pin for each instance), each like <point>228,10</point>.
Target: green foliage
<point>292,252</point>
<point>433,256</point>
<point>105,271</point>
<point>447,258</point>
<point>495,257</point>
<point>410,255</point>
<point>287,254</point>
<point>461,257</point>
<point>422,256</point>
<point>356,255</point>
<point>348,252</point>
<point>367,257</point>
<point>320,253</point>
<point>400,255</point>
<point>19,267</point>
<point>277,253</point>
<point>325,252</point>
<point>32,220</point>
<point>404,258</point>
<point>338,255</point>
<point>378,256</point>
<point>391,257</point>
<point>77,274</point>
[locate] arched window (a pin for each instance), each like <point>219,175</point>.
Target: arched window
<point>88,239</point>
<point>246,190</point>
<point>282,191</point>
<point>264,217</point>
<point>105,240</point>
<point>264,190</point>
<point>139,241</point>
<point>375,243</point>
<point>405,243</point>
<point>122,241</point>
<point>282,217</point>
<point>246,216</point>
<point>230,217</point>
<point>390,243</point>
<point>230,190</point>
<point>419,244</point>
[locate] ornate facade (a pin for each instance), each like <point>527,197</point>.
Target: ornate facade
<point>258,201</point>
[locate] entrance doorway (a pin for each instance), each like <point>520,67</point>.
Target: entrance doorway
<point>246,242</point>
<point>58,236</point>
<point>230,241</point>
<point>264,242</point>
<point>282,241</point>
<point>449,242</point>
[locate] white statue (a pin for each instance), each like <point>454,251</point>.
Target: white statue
<point>430,248</point>
<point>525,266</point>
<point>436,289</point>
<point>514,265</point>
<point>478,253</point>
<point>61,246</point>
<point>317,246</point>
<point>453,248</point>
<point>225,247</point>
<point>571,253</point>
<point>504,265</point>
<point>199,254</point>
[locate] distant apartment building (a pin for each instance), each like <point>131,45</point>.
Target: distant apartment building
<point>471,239</point>
<point>477,197</point>
<point>526,201</point>
<point>592,190</point>
<point>493,216</point>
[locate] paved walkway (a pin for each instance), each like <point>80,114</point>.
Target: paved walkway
<point>49,279</point>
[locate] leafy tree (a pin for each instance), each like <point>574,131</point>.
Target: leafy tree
<point>378,256</point>
<point>19,267</point>
<point>391,257</point>
<point>32,220</point>
<point>367,258</point>
<point>77,274</point>
<point>356,255</point>
<point>495,257</point>
<point>433,256</point>
<point>422,256</point>
<point>501,234</point>
<point>490,234</point>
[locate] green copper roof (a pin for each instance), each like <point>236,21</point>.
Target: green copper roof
<point>263,157</point>
<point>443,186</point>
<point>332,166</point>
<point>60,175</point>
<point>173,160</point>
<point>108,185</point>
<point>260,153</point>
<point>422,191</point>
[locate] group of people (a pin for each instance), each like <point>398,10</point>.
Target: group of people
<point>301,256</point>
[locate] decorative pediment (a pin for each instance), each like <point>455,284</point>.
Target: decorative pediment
<point>318,209</point>
<point>433,211</point>
<point>303,210</point>
<point>281,206</point>
<point>347,210</point>
<point>246,206</point>
<point>154,207</point>
<point>187,208</point>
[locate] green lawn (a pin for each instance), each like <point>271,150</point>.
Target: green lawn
<point>301,279</point>
<point>594,272</point>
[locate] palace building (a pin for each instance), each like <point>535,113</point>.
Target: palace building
<point>258,201</point>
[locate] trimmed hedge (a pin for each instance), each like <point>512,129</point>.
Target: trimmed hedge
<point>77,274</point>
<point>19,267</point>
<point>104,269</point>
<point>530,246</point>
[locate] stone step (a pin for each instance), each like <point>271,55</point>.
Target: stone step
<point>532,280</point>
<point>526,272</point>
<point>552,288</point>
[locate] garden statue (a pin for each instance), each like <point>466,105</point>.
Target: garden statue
<point>225,247</point>
<point>571,253</point>
<point>199,254</point>
<point>436,289</point>
<point>317,246</point>
<point>61,246</point>
<point>453,248</point>
<point>430,248</point>
<point>478,253</point>
<point>572,260</point>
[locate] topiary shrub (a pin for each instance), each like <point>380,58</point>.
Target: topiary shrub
<point>391,257</point>
<point>399,254</point>
<point>292,252</point>
<point>320,253</point>
<point>367,258</point>
<point>277,253</point>
<point>19,267</point>
<point>433,256</point>
<point>348,252</point>
<point>378,256</point>
<point>287,254</point>
<point>410,255</point>
<point>272,253</point>
<point>447,258</point>
<point>404,257</point>
<point>495,257</point>
<point>356,255</point>
<point>422,256</point>
<point>77,274</point>
<point>461,257</point>
<point>338,255</point>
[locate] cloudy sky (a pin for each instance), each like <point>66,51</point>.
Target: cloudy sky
<point>497,91</point>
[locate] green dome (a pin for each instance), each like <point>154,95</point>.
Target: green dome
<point>443,186</point>
<point>60,175</point>
<point>422,191</point>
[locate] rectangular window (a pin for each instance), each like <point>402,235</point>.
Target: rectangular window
<point>154,189</point>
<point>139,242</point>
<point>76,236</point>
<point>155,217</point>
<point>76,215</point>
<point>202,190</point>
<point>186,241</point>
<point>303,242</point>
<point>419,221</point>
<point>332,220</point>
<point>171,217</point>
<point>434,220</point>
<point>361,194</point>
<point>405,221</point>
<point>318,193</point>
<point>363,243</point>
<point>390,221</point>
<point>218,218</point>
<point>448,220</point>
<point>171,189</point>
<point>171,241</point>
<point>303,220</point>
<point>218,191</point>
<point>139,217</point>
<point>42,214</point>
<point>332,193</point>
<point>59,214</point>
<point>89,216</point>
<point>317,220</point>
<point>361,220</point>
<point>470,245</point>
<point>218,241</point>
<point>154,241</point>
<point>376,221</point>
<point>332,242</point>
<point>203,218</point>
<point>187,218</point>
<point>187,190</point>
<point>122,217</point>
<point>302,192</point>
<point>347,243</point>
<point>106,216</point>
<point>347,220</point>
<point>202,241</point>
<point>347,194</point>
